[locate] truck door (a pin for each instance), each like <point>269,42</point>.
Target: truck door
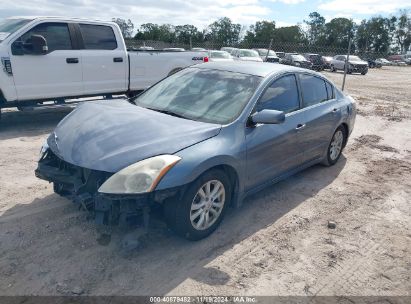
<point>55,73</point>
<point>105,65</point>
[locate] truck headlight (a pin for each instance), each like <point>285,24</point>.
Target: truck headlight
<point>140,177</point>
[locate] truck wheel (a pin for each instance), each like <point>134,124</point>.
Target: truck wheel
<point>202,206</point>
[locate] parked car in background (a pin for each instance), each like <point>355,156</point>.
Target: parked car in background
<point>297,60</point>
<point>174,49</point>
<point>198,49</point>
<point>399,63</point>
<point>208,137</point>
<point>145,48</point>
<point>215,56</point>
<point>372,63</point>
<point>327,61</point>
<point>54,58</point>
<point>280,54</point>
<point>228,49</point>
<point>383,61</point>
<point>355,64</point>
<point>246,55</point>
<point>316,60</point>
<point>272,56</point>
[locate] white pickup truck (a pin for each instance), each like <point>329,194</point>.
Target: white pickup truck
<point>48,58</point>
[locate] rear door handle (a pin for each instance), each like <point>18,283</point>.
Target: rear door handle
<point>300,127</point>
<point>334,111</point>
<point>72,60</point>
<point>118,59</point>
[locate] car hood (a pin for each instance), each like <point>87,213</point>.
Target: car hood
<point>357,62</point>
<point>111,135</point>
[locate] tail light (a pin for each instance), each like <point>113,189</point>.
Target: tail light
<point>205,59</point>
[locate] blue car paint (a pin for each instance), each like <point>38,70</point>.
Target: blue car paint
<point>109,136</point>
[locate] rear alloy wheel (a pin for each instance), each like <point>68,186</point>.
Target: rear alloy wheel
<point>335,147</point>
<point>202,206</point>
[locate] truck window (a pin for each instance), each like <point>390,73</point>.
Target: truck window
<point>56,34</point>
<point>98,37</point>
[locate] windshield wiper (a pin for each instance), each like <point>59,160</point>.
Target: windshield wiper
<point>168,112</point>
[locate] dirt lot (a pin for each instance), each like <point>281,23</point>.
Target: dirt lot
<point>278,243</point>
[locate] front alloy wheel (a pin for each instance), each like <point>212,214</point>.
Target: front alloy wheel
<point>199,211</point>
<point>207,205</point>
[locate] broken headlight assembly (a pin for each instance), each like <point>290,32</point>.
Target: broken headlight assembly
<point>140,177</point>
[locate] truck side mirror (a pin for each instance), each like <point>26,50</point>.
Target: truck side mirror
<point>39,45</point>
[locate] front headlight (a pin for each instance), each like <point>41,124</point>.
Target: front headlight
<point>43,150</point>
<point>140,177</point>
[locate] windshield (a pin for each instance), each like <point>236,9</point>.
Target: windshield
<point>9,26</point>
<point>263,52</point>
<point>220,54</point>
<point>201,94</point>
<point>298,57</point>
<point>248,53</point>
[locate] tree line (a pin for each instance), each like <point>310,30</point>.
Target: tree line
<point>382,35</point>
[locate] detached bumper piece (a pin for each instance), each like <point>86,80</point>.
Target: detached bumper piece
<point>81,186</point>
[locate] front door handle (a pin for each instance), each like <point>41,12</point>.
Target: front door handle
<point>335,111</point>
<point>72,60</point>
<point>118,59</point>
<point>300,127</point>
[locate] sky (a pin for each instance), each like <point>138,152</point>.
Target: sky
<point>201,13</point>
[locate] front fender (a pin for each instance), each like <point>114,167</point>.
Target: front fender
<point>227,148</point>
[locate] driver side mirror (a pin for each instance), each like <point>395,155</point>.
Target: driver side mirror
<point>268,117</point>
<point>35,45</point>
<point>39,45</point>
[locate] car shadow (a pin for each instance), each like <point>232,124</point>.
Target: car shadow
<point>54,244</point>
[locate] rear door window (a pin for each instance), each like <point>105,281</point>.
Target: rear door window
<point>98,37</point>
<point>313,90</point>
<point>281,95</point>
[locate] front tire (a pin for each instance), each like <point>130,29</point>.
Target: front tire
<point>336,146</point>
<point>202,206</point>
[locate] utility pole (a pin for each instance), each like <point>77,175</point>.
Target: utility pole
<point>269,48</point>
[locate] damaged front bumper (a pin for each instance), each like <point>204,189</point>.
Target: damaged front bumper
<point>81,186</point>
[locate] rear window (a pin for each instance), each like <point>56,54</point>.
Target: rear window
<point>98,37</point>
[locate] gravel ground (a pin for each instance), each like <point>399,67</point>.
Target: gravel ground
<point>277,243</point>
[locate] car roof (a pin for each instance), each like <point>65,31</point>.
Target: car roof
<point>261,69</point>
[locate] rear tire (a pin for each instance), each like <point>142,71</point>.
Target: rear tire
<point>334,149</point>
<point>198,213</point>
<point>332,68</point>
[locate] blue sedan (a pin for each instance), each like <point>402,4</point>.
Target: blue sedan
<point>196,142</point>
